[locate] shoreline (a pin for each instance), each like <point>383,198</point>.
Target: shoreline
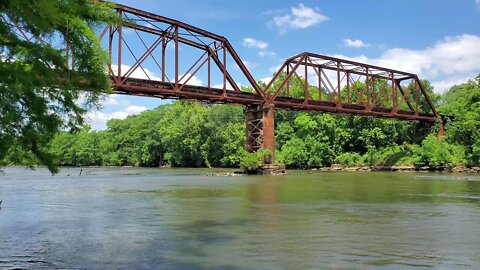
<point>334,168</point>
<point>397,168</point>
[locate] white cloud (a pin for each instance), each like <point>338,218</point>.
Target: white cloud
<point>267,53</point>
<point>192,81</point>
<point>115,100</point>
<point>273,11</point>
<point>300,17</point>
<point>98,120</point>
<point>254,43</point>
<point>248,64</point>
<point>448,62</point>
<point>137,73</point>
<point>118,115</point>
<point>443,85</point>
<point>356,43</point>
<point>135,109</point>
<point>110,100</point>
<point>274,69</point>
<point>266,80</point>
<point>229,86</point>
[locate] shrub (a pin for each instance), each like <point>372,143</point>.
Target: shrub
<point>294,153</point>
<point>391,155</point>
<point>250,163</point>
<point>435,153</point>
<point>350,159</point>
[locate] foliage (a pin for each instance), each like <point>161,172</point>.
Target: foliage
<point>437,153</point>
<point>350,159</point>
<point>294,153</point>
<point>197,135</point>
<point>250,162</point>
<point>39,95</point>
<point>463,102</point>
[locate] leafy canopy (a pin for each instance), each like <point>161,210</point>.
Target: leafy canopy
<point>39,95</point>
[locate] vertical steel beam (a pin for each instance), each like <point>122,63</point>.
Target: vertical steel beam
<point>164,47</point>
<point>348,87</point>
<point>417,89</point>
<point>305,87</point>
<point>224,70</point>
<point>288,83</point>
<point>110,56</point>
<point>320,90</point>
<point>208,69</point>
<point>176,57</point>
<point>339,97</point>
<point>120,40</point>
<point>367,84</point>
<point>373,89</point>
<point>394,93</point>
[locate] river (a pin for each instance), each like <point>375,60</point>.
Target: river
<point>130,218</point>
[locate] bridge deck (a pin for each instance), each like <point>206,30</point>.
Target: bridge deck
<point>163,90</point>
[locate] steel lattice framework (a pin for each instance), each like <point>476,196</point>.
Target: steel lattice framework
<point>213,49</point>
<point>330,84</point>
<point>304,82</point>
<point>348,87</point>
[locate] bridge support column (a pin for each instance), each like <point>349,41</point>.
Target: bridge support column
<point>441,129</point>
<point>269,132</point>
<point>260,133</point>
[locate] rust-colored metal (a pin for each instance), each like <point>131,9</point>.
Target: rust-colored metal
<point>260,130</point>
<point>373,96</point>
<point>268,132</point>
<point>254,128</point>
<point>343,86</point>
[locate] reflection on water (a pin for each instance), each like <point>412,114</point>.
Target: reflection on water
<point>182,219</point>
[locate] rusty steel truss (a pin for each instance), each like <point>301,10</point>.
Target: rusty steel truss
<point>346,87</point>
<point>213,52</point>
<point>305,82</point>
<point>330,84</point>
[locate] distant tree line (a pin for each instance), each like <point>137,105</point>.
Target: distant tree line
<point>191,134</point>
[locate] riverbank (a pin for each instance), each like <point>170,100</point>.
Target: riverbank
<point>84,171</point>
<point>399,168</point>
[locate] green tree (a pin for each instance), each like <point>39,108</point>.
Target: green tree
<point>436,153</point>
<point>39,95</point>
<point>232,144</point>
<point>294,153</point>
<point>463,102</point>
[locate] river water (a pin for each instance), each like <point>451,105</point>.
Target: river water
<point>112,218</point>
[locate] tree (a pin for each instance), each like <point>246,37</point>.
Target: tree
<point>294,153</point>
<point>436,153</point>
<point>39,94</point>
<point>463,102</point>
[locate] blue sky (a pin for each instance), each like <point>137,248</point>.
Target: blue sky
<point>437,39</point>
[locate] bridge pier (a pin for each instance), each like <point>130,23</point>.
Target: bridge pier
<point>260,121</point>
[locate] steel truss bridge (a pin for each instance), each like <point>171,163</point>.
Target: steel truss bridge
<point>304,82</point>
